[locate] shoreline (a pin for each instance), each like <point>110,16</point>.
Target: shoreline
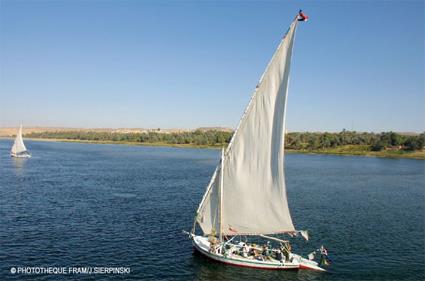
<point>157,144</point>
<point>418,155</point>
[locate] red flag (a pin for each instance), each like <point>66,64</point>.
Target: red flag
<point>302,16</point>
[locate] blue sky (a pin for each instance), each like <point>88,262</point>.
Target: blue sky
<point>184,64</point>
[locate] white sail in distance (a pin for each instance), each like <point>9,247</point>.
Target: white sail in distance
<point>253,193</point>
<point>18,146</point>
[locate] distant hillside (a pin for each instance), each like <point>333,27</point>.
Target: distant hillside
<point>10,132</point>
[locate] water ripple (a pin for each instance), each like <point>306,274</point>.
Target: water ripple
<point>109,205</point>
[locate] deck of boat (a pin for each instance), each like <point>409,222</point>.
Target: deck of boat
<point>202,245</point>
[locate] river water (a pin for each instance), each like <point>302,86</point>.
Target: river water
<point>90,205</point>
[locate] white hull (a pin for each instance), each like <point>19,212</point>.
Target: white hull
<point>20,155</point>
<point>202,245</point>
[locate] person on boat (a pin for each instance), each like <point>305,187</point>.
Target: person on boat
<point>286,250</point>
<point>251,252</point>
<point>279,256</point>
<point>225,249</point>
<point>266,252</point>
<point>244,252</point>
<point>258,256</point>
<point>213,248</point>
<point>324,260</point>
<point>213,243</point>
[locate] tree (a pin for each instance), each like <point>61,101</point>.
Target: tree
<point>378,146</point>
<point>395,139</point>
<point>414,143</point>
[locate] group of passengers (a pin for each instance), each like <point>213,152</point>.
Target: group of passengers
<point>252,251</point>
<point>264,253</point>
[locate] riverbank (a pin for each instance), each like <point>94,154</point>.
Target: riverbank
<point>364,150</point>
<point>348,150</point>
<point>160,144</point>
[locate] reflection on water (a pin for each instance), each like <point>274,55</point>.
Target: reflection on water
<point>19,164</point>
<point>124,195</point>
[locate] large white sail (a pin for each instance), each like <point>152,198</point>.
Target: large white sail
<point>18,145</point>
<point>254,197</point>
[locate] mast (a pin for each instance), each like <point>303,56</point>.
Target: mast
<point>221,196</point>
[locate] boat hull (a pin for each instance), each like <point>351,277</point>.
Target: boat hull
<point>201,244</point>
<point>20,155</point>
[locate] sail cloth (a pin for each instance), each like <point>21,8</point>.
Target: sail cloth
<point>18,145</point>
<point>254,197</point>
<point>208,212</point>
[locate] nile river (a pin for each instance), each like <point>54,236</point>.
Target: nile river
<point>90,205</point>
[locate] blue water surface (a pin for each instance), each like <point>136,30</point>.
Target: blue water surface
<point>76,205</point>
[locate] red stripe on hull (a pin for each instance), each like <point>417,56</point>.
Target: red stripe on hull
<point>307,267</point>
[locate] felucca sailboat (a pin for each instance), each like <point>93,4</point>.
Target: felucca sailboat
<point>18,149</point>
<point>246,196</point>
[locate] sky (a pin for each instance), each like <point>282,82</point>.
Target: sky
<point>357,65</point>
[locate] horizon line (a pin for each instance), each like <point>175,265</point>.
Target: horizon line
<point>219,128</point>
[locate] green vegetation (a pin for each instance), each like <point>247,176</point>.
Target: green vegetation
<point>207,138</point>
<point>387,144</point>
<point>376,142</point>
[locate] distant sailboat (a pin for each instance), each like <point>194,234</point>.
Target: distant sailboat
<point>246,196</point>
<point>18,149</point>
